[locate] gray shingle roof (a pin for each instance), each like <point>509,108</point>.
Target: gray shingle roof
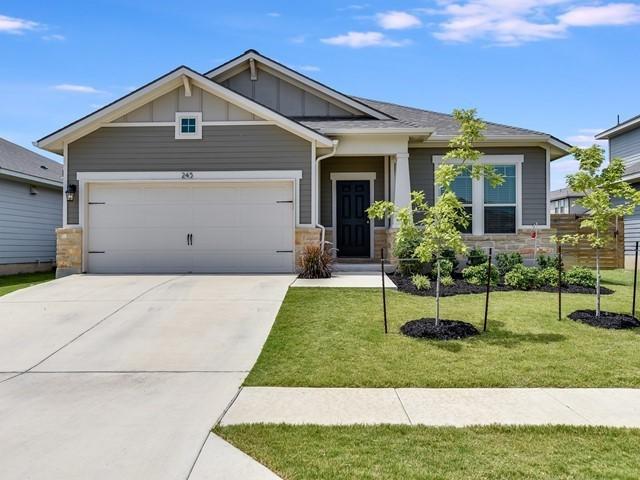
<point>443,123</point>
<point>340,123</point>
<point>17,159</point>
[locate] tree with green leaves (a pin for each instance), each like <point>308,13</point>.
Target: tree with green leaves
<point>606,197</point>
<point>438,227</point>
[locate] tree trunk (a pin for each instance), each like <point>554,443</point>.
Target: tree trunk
<point>438,292</point>
<point>597,282</point>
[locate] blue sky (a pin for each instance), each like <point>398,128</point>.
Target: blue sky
<point>564,67</point>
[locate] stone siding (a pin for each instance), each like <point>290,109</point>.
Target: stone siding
<point>304,237</point>
<point>68,251</point>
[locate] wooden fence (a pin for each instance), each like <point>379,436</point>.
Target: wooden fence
<point>611,256</point>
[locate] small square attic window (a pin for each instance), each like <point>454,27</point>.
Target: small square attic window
<point>188,125</point>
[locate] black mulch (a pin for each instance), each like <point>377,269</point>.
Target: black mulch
<point>618,321</point>
<point>461,287</point>
<point>445,330</point>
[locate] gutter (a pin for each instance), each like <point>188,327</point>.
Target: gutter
<point>317,166</point>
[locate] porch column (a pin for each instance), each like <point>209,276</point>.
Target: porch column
<point>402,184</point>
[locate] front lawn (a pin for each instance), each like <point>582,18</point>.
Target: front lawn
<point>326,337</point>
<point>11,283</point>
<point>386,452</point>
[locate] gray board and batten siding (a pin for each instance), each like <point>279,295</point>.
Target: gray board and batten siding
<point>534,181</point>
<point>29,216</point>
<point>222,148</point>
<point>626,146</point>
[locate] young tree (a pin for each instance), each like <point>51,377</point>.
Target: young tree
<point>437,227</point>
<point>606,196</point>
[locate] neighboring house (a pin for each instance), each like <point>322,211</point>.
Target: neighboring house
<point>624,143</point>
<point>235,170</point>
<point>563,200</point>
<point>30,209</point>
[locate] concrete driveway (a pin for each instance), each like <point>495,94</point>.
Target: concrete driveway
<point>122,377</point>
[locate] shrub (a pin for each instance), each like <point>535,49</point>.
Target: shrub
<point>522,278</point>
<point>548,277</point>
<point>404,250</point>
<point>446,268</point>
<point>451,256</point>
<point>315,262</point>
<point>447,281</point>
<point>476,257</point>
<point>477,274</point>
<point>547,261</point>
<point>421,282</point>
<point>505,262</point>
<point>581,276</point>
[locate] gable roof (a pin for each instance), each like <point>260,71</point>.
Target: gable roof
<point>619,129</point>
<point>19,162</point>
<point>242,60</point>
<point>564,193</point>
<point>167,82</point>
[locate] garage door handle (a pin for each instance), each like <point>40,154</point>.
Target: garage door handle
<point>189,238</point>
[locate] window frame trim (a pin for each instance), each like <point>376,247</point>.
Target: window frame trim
<point>188,136</point>
<point>478,190</point>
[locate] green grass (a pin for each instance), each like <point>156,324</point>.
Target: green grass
<point>334,338</point>
<point>11,283</point>
<point>408,453</point>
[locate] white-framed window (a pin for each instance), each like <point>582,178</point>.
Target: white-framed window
<point>188,125</point>
<point>494,210</point>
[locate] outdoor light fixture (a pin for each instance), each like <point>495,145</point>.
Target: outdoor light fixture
<point>71,192</point>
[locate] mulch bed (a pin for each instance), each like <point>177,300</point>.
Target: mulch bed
<point>617,321</point>
<point>461,287</point>
<point>445,330</point>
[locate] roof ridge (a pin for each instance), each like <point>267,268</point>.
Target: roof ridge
<point>448,115</point>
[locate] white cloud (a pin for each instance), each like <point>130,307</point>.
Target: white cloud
<point>610,14</point>
<point>510,22</point>
<point>298,39</point>
<point>364,39</point>
<point>54,38</point>
<point>586,138</point>
<point>67,87</point>
<point>354,6</point>
<point>274,14</point>
<point>396,20</point>
<point>308,68</point>
<point>16,26</point>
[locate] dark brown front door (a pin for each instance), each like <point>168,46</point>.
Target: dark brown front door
<point>354,235</point>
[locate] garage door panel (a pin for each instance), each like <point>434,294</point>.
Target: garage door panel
<point>236,227</point>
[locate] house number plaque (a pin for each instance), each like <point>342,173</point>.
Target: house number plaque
<point>187,175</point>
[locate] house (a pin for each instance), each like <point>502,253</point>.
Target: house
<point>30,209</point>
<point>624,143</point>
<point>236,169</point>
<point>563,201</point>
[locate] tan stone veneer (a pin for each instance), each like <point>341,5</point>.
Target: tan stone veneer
<point>68,251</point>
<point>306,236</point>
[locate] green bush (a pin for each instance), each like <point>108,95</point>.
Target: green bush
<point>581,276</point>
<point>315,262</point>
<point>446,268</point>
<point>477,274</point>
<point>548,277</point>
<point>476,257</point>
<point>447,281</point>
<point>451,256</point>
<point>547,261</point>
<point>505,262</point>
<point>404,250</point>
<point>522,278</point>
<point>421,282</point>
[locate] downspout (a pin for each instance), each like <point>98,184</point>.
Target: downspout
<point>317,167</point>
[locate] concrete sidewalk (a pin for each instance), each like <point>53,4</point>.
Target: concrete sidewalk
<point>458,407</point>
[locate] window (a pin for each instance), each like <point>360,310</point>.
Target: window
<point>500,202</point>
<point>492,210</point>
<point>188,125</point>
<point>462,186</point>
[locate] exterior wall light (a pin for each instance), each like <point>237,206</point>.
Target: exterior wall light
<point>71,192</point>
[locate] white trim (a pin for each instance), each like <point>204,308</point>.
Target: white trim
<point>180,135</point>
<point>241,175</point>
<point>65,206</point>
<point>618,129</point>
<point>386,187</point>
<point>171,81</point>
<point>548,189</point>
<point>478,204</point>
<point>292,74</point>
<point>353,176</point>
<point>187,86</point>
<point>314,185</point>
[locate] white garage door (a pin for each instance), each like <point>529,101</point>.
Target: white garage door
<point>197,227</point>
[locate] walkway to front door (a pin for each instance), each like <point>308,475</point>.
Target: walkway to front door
<point>353,232</point>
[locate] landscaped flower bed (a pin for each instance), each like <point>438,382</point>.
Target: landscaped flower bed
<point>615,321</point>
